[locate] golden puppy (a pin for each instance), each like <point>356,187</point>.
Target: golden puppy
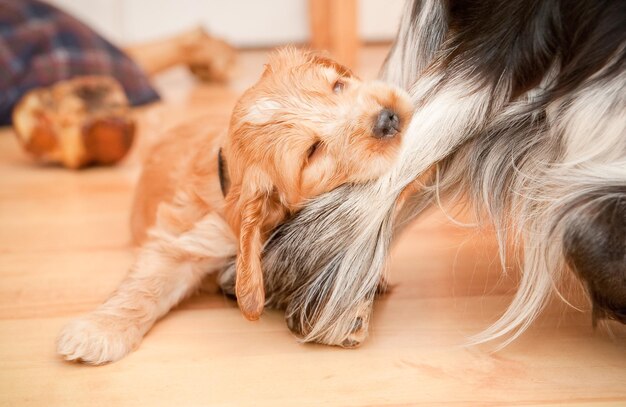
<point>305,128</point>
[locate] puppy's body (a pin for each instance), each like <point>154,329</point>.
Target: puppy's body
<point>185,153</point>
<point>305,128</point>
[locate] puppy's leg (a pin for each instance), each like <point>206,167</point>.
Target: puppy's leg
<point>168,268</point>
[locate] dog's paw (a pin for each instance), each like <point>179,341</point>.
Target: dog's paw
<point>357,330</point>
<point>97,339</point>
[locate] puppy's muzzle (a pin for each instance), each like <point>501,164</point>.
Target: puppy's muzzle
<point>387,124</point>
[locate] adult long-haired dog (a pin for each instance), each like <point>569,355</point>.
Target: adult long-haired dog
<point>520,105</point>
<point>308,126</point>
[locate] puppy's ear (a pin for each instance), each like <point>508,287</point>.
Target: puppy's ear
<point>254,207</point>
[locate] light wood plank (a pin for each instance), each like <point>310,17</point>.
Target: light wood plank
<point>64,246</point>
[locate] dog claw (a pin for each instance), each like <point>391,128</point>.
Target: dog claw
<point>350,343</point>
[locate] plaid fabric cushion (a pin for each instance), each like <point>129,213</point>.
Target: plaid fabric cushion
<point>40,45</point>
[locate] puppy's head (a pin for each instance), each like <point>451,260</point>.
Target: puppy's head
<point>307,126</point>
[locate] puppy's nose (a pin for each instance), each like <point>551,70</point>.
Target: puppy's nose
<point>387,124</point>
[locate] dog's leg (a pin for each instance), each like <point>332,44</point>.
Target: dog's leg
<point>168,268</point>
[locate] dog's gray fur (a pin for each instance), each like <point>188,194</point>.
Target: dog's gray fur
<point>523,109</point>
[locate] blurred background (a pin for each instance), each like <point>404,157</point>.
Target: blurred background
<point>194,56</point>
<point>243,23</point>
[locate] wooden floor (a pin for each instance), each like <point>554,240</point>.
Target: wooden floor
<point>64,246</point>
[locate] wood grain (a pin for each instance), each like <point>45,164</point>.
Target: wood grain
<point>65,244</point>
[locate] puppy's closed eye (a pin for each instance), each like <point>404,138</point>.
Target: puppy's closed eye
<point>313,150</point>
<point>339,86</point>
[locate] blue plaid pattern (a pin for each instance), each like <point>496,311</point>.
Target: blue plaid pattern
<point>41,45</point>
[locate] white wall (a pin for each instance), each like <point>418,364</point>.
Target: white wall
<point>379,19</point>
<point>247,23</point>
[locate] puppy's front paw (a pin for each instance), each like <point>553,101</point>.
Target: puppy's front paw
<point>97,339</point>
